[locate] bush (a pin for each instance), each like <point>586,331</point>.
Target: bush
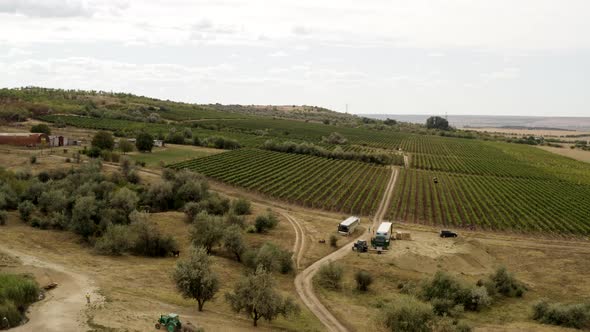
<point>506,284</point>
<point>26,208</point>
<point>330,275</point>
<point>33,159</point>
<point>43,176</point>
<point>271,257</point>
<point>408,315</point>
<point>103,140</point>
<point>232,219</point>
<point>233,241</point>
<point>333,241</point>
<point>575,315</point>
<point>3,217</point>
<point>115,241</point>
<point>148,241</point>
<point>41,128</point>
<point>264,223</point>
<point>16,294</point>
<point>215,204</point>
<point>241,206</point>
<point>93,152</point>
<point>144,142</point>
<point>363,280</point>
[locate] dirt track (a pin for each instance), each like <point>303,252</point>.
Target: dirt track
<point>304,280</point>
<point>63,309</point>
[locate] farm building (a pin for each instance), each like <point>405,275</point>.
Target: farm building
<point>58,141</point>
<point>24,139</point>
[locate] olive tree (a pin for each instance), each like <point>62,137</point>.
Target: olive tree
<point>207,231</point>
<point>255,296</point>
<point>233,241</point>
<point>103,140</point>
<point>194,279</point>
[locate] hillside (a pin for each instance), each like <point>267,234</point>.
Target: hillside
<point>341,165</point>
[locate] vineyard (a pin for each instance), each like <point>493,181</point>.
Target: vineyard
<point>489,202</point>
<point>338,185</point>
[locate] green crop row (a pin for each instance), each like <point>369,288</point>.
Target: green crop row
<point>336,185</point>
<point>488,202</point>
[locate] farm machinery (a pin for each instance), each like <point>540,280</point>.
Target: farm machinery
<point>171,323</point>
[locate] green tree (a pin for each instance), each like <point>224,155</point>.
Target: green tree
<point>144,142</point>
<point>363,280</point>
<point>437,122</point>
<point>241,206</point>
<point>41,128</point>
<point>125,200</point>
<point>103,140</point>
<point>125,146</point>
<point>233,241</point>
<point>409,315</point>
<point>207,231</point>
<point>194,279</point>
<point>256,297</point>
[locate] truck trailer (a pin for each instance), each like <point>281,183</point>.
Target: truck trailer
<point>382,237</point>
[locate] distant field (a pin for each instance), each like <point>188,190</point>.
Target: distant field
<point>172,154</point>
<point>339,185</point>
<point>531,132</point>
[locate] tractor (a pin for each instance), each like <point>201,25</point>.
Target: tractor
<point>171,323</point>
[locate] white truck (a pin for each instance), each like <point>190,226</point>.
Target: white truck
<point>348,226</point>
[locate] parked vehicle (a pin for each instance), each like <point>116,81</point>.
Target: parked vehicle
<point>447,233</point>
<point>360,246</point>
<point>348,226</point>
<point>383,236</point>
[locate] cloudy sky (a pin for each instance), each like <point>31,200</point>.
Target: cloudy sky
<point>499,57</point>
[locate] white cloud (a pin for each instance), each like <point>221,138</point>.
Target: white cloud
<point>61,8</point>
<point>278,54</point>
<point>503,74</point>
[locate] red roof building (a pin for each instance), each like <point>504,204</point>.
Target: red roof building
<point>24,139</point>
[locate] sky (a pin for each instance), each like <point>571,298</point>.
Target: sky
<point>494,57</point>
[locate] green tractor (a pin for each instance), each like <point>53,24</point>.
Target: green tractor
<point>170,323</point>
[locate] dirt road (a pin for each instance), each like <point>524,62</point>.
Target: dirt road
<point>304,280</point>
<point>63,309</point>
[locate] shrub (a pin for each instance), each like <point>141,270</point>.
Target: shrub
<point>41,128</point>
<point>103,140</point>
<point>160,195</point>
<point>124,200</point>
<point>271,257</point>
<point>33,159</point>
<point>330,275</point>
<point>333,241</point>
<point>233,219</point>
<point>25,208</point>
<point>16,294</point>
<point>43,176</point>
<point>144,142</point>
<point>241,206</point>
<point>125,146</point>
<point>148,241</point>
<point>115,241</point>
<point>263,223</point>
<point>3,217</point>
<point>408,315</point>
<point>93,152</point>
<point>575,315</point>
<point>506,284</point>
<point>363,280</point>
<point>215,204</point>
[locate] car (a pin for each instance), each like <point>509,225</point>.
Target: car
<point>447,233</point>
<point>361,246</point>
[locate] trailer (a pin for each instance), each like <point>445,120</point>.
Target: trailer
<point>348,226</point>
<point>380,242</point>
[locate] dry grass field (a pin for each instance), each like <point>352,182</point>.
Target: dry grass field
<point>553,269</point>
<point>535,132</point>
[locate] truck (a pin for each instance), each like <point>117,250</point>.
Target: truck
<point>380,241</point>
<point>348,226</point>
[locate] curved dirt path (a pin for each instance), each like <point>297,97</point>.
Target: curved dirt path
<point>299,239</point>
<point>304,283</point>
<point>64,308</point>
